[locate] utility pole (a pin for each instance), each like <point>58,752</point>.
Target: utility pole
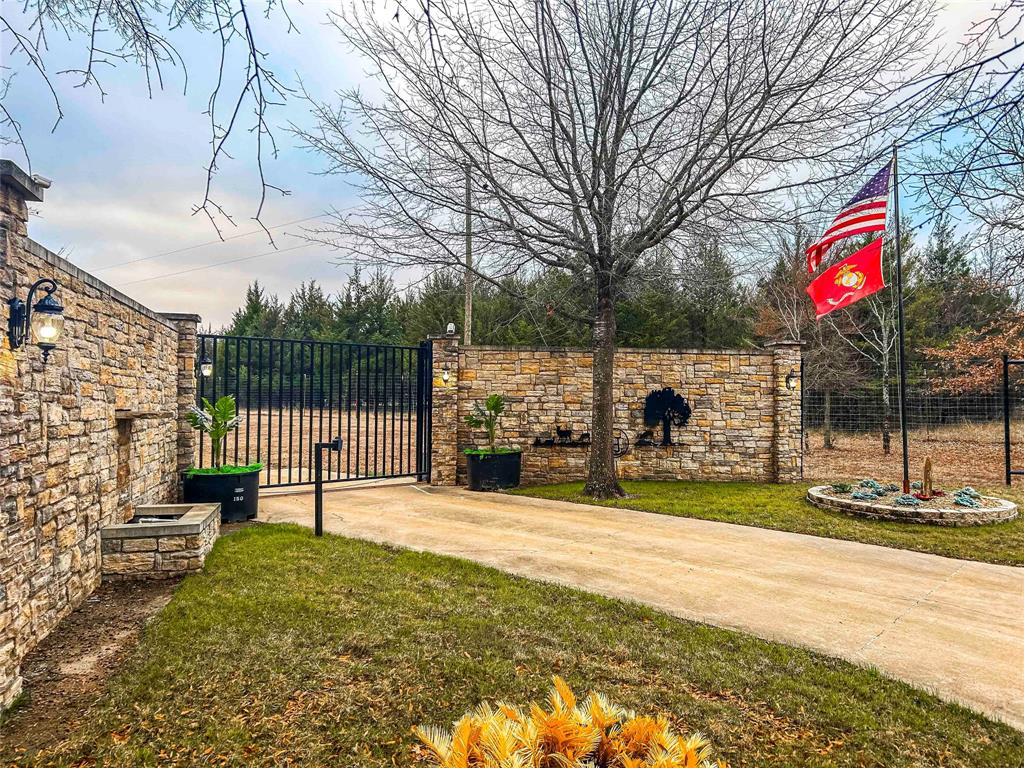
<point>467,330</point>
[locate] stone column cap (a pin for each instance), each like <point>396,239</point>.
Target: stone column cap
<point>442,337</point>
<point>785,343</point>
<point>30,187</point>
<point>182,316</point>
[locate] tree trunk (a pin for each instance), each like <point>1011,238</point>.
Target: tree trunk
<point>828,419</point>
<point>601,480</point>
<point>886,408</point>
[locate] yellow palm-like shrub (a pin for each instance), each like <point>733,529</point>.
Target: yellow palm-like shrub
<point>593,733</point>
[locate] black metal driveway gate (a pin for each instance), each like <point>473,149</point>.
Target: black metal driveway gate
<point>293,393</point>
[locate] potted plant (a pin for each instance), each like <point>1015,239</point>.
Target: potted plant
<point>235,488</point>
<point>492,468</point>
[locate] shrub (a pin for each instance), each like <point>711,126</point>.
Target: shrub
<point>566,734</point>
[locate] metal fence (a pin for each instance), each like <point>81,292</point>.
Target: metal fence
<point>294,393</point>
<point>847,434</point>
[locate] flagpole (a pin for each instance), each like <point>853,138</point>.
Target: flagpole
<point>899,301</point>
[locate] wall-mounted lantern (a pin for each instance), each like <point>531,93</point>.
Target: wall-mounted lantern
<point>205,366</point>
<point>445,374</point>
<point>42,321</point>
<point>792,379</point>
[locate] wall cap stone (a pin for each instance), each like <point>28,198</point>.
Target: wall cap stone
<point>195,517</point>
<point>179,316</point>
<point>44,253</point>
<point>784,343</point>
<point>12,175</point>
<point>631,350</point>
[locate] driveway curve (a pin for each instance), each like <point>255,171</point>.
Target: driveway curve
<point>953,627</point>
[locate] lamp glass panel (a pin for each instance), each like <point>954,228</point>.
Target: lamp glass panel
<point>206,369</point>
<point>46,328</point>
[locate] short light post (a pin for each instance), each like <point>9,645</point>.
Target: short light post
<point>318,482</point>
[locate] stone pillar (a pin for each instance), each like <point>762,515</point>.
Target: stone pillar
<point>444,450</point>
<point>188,328</point>
<point>16,189</point>
<point>787,448</point>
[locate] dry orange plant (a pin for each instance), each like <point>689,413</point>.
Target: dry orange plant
<point>593,733</point>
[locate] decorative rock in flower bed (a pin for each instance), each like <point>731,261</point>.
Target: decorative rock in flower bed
<point>952,510</point>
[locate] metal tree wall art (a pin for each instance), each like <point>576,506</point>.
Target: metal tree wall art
<point>665,407</point>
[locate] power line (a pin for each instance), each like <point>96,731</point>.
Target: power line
<point>204,245</point>
<point>218,264</point>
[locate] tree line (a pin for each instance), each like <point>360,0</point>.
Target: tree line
<point>956,308</point>
<point>714,308</point>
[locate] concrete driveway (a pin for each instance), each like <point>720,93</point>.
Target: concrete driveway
<point>953,627</point>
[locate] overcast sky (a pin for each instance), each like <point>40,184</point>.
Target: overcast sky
<point>128,170</point>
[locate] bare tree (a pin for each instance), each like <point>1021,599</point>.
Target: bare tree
<point>139,32</point>
<point>595,131</point>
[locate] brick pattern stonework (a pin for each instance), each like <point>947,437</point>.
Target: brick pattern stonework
<point>188,330</point>
<point>83,438</point>
<point>745,423</point>
<point>445,412</point>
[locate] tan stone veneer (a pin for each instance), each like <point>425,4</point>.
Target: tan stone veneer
<point>84,438</point>
<point>746,423</point>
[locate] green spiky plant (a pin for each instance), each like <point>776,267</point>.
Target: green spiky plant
<point>217,420</point>
<point>488,416</point>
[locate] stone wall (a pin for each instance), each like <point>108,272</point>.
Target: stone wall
<point>83,437</point>
<point>745,423</point>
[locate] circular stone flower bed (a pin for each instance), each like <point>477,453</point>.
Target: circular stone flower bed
<point>938,510</point>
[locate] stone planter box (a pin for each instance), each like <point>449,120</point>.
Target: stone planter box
<point>159,542</point>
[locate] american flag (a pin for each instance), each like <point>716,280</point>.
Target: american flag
<point>864,213</point>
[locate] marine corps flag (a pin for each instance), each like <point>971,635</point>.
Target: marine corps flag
<point>849,281</point>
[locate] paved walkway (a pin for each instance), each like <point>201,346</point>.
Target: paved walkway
<point>951,626</point>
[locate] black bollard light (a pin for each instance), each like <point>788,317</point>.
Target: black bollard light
<point>318,482</point>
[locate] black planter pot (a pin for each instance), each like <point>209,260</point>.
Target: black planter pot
<point>238,494</point>
<point>494,471</point>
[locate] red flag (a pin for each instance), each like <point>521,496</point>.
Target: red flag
<point>849,281</point>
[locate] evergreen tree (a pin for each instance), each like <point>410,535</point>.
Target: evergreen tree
<point>259,315</point>
<point>309,314</point>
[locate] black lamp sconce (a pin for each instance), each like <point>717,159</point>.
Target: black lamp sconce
<point>42,321</point>
<point>205,363</point>
<point>792,379</point>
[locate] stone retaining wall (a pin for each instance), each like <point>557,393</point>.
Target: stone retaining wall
<point>995,510</point>
<point>83,437</point>
<point>745,423</point>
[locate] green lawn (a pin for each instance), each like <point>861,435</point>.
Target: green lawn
<point>292,650</point>
<point>784,508</point>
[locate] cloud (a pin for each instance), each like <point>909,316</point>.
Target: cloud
<point>129,169</point>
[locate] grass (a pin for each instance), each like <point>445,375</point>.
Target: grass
<point>293,650</point>
<point>784,508</point>
<point>225,469</point>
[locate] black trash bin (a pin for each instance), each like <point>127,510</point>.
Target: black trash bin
<point>238,494</point>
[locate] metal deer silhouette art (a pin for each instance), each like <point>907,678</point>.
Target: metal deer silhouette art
<point>665,407</point>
